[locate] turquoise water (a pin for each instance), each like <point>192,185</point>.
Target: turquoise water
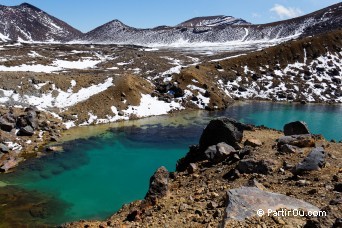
<point>95,176</point>
<point>321,119</point>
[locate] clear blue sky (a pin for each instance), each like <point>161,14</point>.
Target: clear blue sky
<point>86,15</point>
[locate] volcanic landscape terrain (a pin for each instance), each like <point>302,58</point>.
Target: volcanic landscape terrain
<point>53,77</point>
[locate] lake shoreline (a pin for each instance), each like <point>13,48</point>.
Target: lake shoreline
<point>176,119</point>
<point>197,194</point>
<point>46,145</point>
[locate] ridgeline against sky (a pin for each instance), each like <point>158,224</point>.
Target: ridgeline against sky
<point>86,15</point>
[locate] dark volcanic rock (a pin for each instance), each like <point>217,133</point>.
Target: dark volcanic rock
<point>297,140</point>
<point>221,130</point>
<point>288,149</point>
<point>244,202</point>
<point>254,166</point>
<point>314,161</point>
<point>31,118</point>
<point>296,128</point>
<point>5,125</point>
<point>338,187</point>
<point>158,185</point>
<point>192,168</point>
<point>247,150</point>
<point>194,155</point>
<point>21,122</point>
<point>337,223</point>
<point>26,131</point>
<point>219,152</point>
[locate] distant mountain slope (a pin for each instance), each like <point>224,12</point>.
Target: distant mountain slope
<point>116,32</point>
<point>26,22</point>
<point>213,21</point>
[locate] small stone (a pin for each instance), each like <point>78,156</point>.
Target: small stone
<point>255,183</point>
<point>26,131</point>
<point>212,205</point>
<point>214,194</point>
<point>196,175</point>
<point>296,140</point>
<point>236,157</point>
<point>337,223</point>
<point>336,201</point>
<point>219,152</point>
<point>287,166</point>
<point>192,168</point>
<point>253,143</point>
<point>53,138</point>
<point>5,125</point>
<point>338,187</point>
<point>4,148</point>
<point>301,183</point>
<point>288,149</point>
<point>335,178</point>
<point>266,166</point>
<point>312,191</point>
<point>217,214</point>
<point>54,148</point>
<point>278,220</point>
<point>198,212</point>
<point>182,207</point>
<point>329,187</point>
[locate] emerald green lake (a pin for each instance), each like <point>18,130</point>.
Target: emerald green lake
<point>95,176</point>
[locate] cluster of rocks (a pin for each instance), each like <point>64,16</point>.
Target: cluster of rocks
<point>237,170</point>
<point>24,131</point>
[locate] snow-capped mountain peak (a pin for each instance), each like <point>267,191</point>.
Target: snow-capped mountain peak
<point>28,23</point>
<point>213,21</point>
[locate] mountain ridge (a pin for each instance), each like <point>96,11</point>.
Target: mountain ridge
<point>29,23</point>
<point>212,21</point>
<point>316,22</point>
<point>210,29</point>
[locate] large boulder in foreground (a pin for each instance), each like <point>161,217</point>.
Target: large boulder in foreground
<point>244,202</point>
<point>159,185</point>
<point>222,130</point>
<point>296,128</point>
<point>314,161</point>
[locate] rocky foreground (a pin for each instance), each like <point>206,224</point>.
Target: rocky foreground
<point>235,171</point>
<point>23,133</point>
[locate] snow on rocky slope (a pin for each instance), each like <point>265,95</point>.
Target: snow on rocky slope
<point>224,33</point>
<point>28,23</point>
<point>305,70</point>
<point>213,21</point>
